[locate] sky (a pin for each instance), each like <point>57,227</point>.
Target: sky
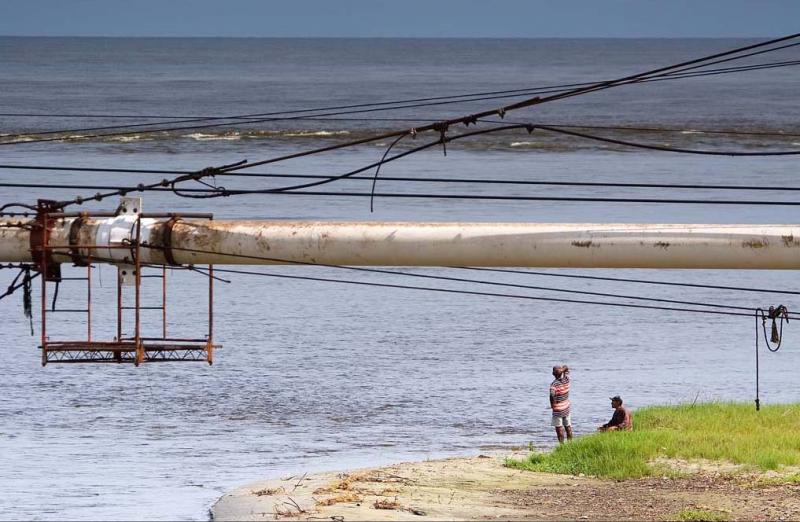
<point>401,18</point>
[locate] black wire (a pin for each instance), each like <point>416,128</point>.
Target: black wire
<point>248,118</point>
<point>487,294</point>
<point>521,91</point>
<point>665,148</point>
<point>561,93</point>
<point>443,126</point>
<point>739,57</point>
<point>692,130</point>
<point>221,191</point>
<point>628,280</point>
<point>239,122</point>
<point>189,119</point>
<point>378,171</point>
<point>231,192</point>
<point>15,285</point>
<point>243,121</point>
<point>464,280</point>
<point>444,139</point>
<point>389,178</point>
<point>670,71</point>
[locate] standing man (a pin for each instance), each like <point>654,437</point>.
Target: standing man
<point>559,402</point>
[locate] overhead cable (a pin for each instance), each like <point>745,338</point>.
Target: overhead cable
<point>678,71</point>
<point>464,280</point>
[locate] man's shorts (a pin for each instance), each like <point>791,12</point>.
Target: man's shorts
<point>562,421</point>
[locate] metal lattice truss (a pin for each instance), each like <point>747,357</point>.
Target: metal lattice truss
<point>122,232</point>
<point>127,352</point>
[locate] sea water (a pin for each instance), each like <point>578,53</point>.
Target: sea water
<point>323,376</point>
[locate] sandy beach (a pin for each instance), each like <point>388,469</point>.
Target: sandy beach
<point>481,487</point>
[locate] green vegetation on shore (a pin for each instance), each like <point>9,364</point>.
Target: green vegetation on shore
<point>727,432</point>
<point>701,515</point>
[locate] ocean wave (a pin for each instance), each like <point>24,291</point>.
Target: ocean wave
<point>746,137</point>
<point>16,137</point>
<point>321,134</point>
<point>548,145</point>
<point>128,139</point>
<point>200,136</point>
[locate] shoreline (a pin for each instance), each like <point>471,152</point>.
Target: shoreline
<point>481,487</point>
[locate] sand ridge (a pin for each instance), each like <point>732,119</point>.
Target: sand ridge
<point>469,488</point>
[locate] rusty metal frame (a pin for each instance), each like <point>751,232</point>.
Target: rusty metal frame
<point>135,349</point>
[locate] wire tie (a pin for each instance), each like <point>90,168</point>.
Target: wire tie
<point>98,196</point>
<point>530,128</point>
<point>501,112</point>
<point>413,133</point>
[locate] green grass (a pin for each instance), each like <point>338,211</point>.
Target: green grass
<point>730,432</point>
<point>701,515</point>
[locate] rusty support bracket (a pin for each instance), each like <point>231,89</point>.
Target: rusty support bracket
<point>39,238</point>
<point>123,232</point>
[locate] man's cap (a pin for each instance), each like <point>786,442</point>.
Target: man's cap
<point>616,398</point>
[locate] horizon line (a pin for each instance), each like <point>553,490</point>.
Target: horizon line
<point>633,37</point>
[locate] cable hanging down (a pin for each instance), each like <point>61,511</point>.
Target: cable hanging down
<point>773,344</point>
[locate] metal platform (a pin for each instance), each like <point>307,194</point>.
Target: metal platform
<point>128,352</point>
<point>134,348</point>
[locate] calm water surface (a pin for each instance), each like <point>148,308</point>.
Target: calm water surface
<point>317,376</point>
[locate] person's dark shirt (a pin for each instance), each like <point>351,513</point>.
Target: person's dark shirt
<point>621,419</point>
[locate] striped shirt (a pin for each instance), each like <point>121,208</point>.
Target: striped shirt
<point>559,394</point>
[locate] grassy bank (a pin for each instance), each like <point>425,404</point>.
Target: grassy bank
<point>730,432</point>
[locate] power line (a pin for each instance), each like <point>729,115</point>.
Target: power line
<point>490,181</point>
<point>445,278</point>
<point>560,93</point>
<point>491,294</point>
<point>664,148</point>
<point>521,91</point>
<point>446,139</point>
<point>440,127</point>
<point>509,198</point>
<point>456,279</point>
<point>628,128</point>
<point>297,188</point>
<point>629,280</point>
<point>210,192</point>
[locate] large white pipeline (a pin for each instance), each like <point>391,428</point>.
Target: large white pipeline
<point>424,244</point>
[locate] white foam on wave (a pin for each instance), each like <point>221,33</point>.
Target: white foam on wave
<point>692,132</point>
<point>523,143</point>
<point>127,139</point>
<point>199,136</point>
<point>315,133</point>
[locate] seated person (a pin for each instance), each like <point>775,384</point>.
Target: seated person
<point>622,420</point>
